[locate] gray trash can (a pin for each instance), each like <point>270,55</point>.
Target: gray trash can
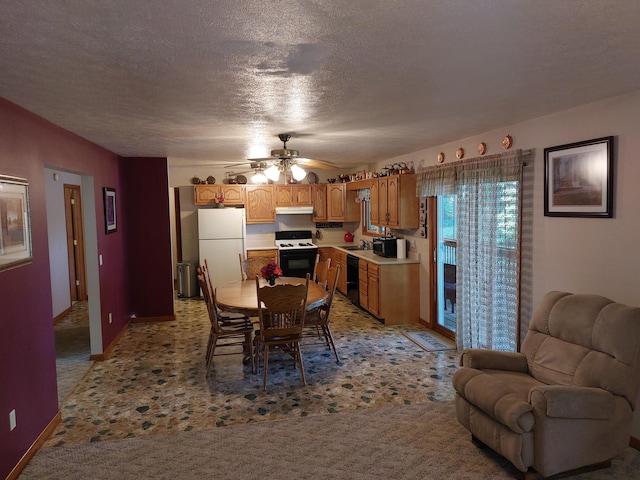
<point>188,280</point>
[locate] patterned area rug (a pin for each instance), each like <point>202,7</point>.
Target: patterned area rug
<point>430,341</point>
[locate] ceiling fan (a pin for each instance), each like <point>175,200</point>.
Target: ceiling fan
<point>283,161</point>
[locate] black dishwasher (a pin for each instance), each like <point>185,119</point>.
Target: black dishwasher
<point>352,280</point>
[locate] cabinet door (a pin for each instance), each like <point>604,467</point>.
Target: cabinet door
<point>335,202</point>
<point>205,194</point>
<point>363,282</point>
<point>260,204</point>
<point>233,194</point>
<point>393,194</point>
<point>340,258</point>
<point>373,289</point>
<point>319,193</point>
<point>374,202</point>
<point>284,196</point>
<point>383,196</point>
<point>302,195</point>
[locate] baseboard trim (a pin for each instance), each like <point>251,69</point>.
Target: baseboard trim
<point>634,443</point>
<point>59,317</point>
<point>99,357</point>
<point>164,318</point>
<point>35,446</point>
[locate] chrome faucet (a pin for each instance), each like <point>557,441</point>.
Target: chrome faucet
<point>365,245</point>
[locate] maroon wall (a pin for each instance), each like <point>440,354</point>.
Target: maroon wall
<point>148,237</point>
<point>27,349</point>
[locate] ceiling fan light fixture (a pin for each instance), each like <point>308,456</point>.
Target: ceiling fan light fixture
<point>259,177</point>
<point>298,173</point>
<point>272,173</point>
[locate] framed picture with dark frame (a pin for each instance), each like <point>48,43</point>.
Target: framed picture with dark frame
<point>110,217</point>
<point>15,223</point>
<point>578,179</point>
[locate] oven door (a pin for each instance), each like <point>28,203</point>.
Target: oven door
<point>298,262</point>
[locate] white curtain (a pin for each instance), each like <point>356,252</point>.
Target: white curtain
<point>488,246</point>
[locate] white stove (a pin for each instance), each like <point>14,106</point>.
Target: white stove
<point>295,240</point>
<point>297,252</point>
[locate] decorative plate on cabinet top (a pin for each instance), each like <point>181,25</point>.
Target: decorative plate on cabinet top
<point>241,179</point>
<point>460,153</point>
<point>482,148</point>
<point>195,181</point>
<point>507,142</point>
<point>441,157</point>
<point>312,177</point>
<point>211,180</point>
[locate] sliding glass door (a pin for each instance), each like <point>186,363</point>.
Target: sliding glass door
<point>445,263</point>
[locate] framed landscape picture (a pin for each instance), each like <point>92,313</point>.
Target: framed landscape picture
<point>578,179</point>
<point>15,222</point>
<point>110,218</point>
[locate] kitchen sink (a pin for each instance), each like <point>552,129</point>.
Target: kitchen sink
<point>352,247</point>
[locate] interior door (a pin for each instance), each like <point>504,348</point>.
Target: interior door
<point>75,242</point>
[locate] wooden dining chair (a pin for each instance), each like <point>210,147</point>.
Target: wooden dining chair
<point>320,271</point>
<point>233,328</point>
<point>281,313</point>
<point>317,320</point>
<point>250,267</point>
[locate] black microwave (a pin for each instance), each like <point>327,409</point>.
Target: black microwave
<point>385,247</point>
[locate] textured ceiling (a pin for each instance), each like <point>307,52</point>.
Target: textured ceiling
<point>358,81</point>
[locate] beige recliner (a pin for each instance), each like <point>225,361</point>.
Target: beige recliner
<point>565,402</point>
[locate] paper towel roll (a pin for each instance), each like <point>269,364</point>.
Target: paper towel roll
<point>401,248</point>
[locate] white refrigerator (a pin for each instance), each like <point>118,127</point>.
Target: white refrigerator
<point>221,233</point>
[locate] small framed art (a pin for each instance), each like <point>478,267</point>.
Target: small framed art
<point>110,217</point>
<point>578,179</point>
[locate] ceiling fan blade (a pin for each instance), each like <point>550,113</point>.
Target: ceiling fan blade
<point>323,164</point>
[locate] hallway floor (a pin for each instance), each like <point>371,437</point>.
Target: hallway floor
<point>156,381</point>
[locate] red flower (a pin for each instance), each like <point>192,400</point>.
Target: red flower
<point>270,270</point>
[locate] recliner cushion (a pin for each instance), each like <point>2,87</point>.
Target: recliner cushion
<point>501,395</point>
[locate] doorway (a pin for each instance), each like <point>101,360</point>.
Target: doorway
<point>443,245</point>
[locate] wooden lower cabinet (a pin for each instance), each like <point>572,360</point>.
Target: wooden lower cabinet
<point>390,292</point>
<point>339,257</point>
<point>270,253</point>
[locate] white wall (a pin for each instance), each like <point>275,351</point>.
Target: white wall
<point>57,236</point>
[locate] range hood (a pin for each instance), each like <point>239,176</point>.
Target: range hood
<point>294,210</point>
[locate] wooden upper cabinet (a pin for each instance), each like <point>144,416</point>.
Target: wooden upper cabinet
<point>206,194</point>
<point>319,200</point>
<point>293,195</point>
<point>260,204</point>
<point>341,204</point>
<point>374,202</point>
<point>397,203</point>
<point>233,194</point>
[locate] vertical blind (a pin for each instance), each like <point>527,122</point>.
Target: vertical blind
<point>489,192</point>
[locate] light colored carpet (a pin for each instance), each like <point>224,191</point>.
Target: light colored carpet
<point>431,342</point>
<point>410,442</point>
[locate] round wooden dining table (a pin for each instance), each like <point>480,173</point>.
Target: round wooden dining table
<point>241,295</point>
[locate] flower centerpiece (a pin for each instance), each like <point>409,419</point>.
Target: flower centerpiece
<point>219,201</point>
<point>270,272</point>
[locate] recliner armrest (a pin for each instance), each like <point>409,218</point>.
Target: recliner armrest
<point>492,359</point>
<point>568,401</point>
